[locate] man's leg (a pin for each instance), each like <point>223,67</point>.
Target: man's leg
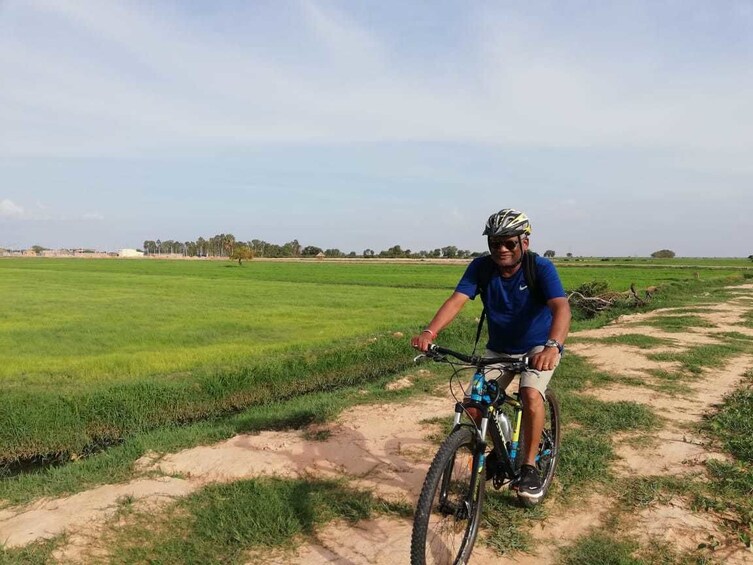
<point>532,389</point>
<point>532,424</point>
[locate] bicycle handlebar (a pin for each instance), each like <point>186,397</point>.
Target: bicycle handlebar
<point>515,363</point>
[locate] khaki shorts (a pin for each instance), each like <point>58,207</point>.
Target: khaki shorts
<point>531,378</point>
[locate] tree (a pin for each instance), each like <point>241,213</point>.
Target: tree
<point>569,254</point>
<point>311,251</point>
<point>150,247</point>
<point>37,249</point>
<point>368,253</point>
<point>201,247</point>
<point>333,253</point>
<point>291,249</point>
<point>663,254</point>
<point>750,257</point>
<point>549,253</point>
<point>228,244</point>
<point>450,252</point>
<point>241,252</point>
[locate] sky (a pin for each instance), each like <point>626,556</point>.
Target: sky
<point>620,128</point>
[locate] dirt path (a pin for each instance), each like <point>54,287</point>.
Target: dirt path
<point>384,449</point>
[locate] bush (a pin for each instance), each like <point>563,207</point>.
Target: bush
<point>663,254</point>
<point>592,288</point>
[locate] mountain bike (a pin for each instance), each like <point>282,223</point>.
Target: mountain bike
<point>449,507</point>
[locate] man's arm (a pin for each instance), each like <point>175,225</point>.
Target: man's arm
<point>561,316</point>
<point>441,319</point>
<point>547,359</point>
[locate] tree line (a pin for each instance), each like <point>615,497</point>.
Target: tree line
<point>226,245</point>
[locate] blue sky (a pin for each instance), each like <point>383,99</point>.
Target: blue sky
<point>620,128</point>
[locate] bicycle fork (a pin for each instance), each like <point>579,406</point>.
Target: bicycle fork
<point>507,436</point>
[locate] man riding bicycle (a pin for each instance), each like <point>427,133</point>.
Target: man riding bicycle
<point>521,321</point>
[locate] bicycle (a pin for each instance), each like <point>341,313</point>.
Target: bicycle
<point>449,507</point>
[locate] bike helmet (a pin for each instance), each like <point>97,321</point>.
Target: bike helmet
<point>507,222</point>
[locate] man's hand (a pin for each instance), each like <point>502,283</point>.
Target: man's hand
<point>545,360</point>
<point>422,341</point>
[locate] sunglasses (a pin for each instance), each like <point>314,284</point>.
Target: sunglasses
<point>509,244</point>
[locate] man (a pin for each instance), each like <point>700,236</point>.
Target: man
<point>521,321</point>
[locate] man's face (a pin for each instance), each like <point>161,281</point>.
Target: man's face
<point>506,251</point>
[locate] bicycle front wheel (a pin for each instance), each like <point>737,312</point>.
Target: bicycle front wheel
<point>449,507</point>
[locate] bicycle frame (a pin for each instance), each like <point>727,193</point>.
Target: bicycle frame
<point>507,455</point>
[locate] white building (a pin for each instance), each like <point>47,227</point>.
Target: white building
<point>130,253</point>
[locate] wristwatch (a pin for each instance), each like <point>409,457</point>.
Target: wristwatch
<point>554,343</point>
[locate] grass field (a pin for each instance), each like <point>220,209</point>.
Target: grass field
<point>96,349</point>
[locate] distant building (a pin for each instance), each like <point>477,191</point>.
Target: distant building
<point>130,253</point>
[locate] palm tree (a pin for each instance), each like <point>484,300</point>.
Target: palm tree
<point>228,242</point>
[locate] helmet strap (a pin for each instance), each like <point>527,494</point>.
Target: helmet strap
<point>522,253</point>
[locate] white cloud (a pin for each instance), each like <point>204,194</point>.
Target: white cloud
<point>648,108</point>
<point>171,87</point>
<point>10,209</point>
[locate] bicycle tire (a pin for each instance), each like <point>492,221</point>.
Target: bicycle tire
<point>454,466</point>
<point>549,447</point>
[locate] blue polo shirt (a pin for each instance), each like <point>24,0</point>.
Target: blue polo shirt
<point>516,320</point>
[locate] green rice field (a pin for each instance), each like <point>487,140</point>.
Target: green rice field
<point>95,349</point>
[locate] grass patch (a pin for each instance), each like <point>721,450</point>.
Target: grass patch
<point>703,356</point>
<point>747,320</point>
<point>574,373</point>
<point>731,483</point>
<point>733,424</point>
<point>116,463</point>
<point>584,460</point>
<point>601,417</point>
<point>50,425</point>
<point>637,340</point>
<point>644,491</point>
<point>230,519</point>
<point>600,548</point>
<point>678,323</point>
<point>504,522</point>
<point>736,336</point>
<point>39,553</point>
<point>670,381</point>
<point>586,448</point>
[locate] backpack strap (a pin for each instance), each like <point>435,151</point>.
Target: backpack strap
<point>487,270</point>
<point>530,273</point>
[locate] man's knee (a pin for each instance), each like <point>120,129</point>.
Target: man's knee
<point>532,399</point>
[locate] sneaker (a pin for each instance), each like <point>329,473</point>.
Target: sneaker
<point>529,484</point>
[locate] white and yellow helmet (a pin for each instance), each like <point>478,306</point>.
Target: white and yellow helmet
<point>507,222</point>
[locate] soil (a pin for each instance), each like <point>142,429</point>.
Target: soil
<point>385,448</point>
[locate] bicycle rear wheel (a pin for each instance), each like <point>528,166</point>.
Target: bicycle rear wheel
<point>549,446</point>
<point>448,512</point>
